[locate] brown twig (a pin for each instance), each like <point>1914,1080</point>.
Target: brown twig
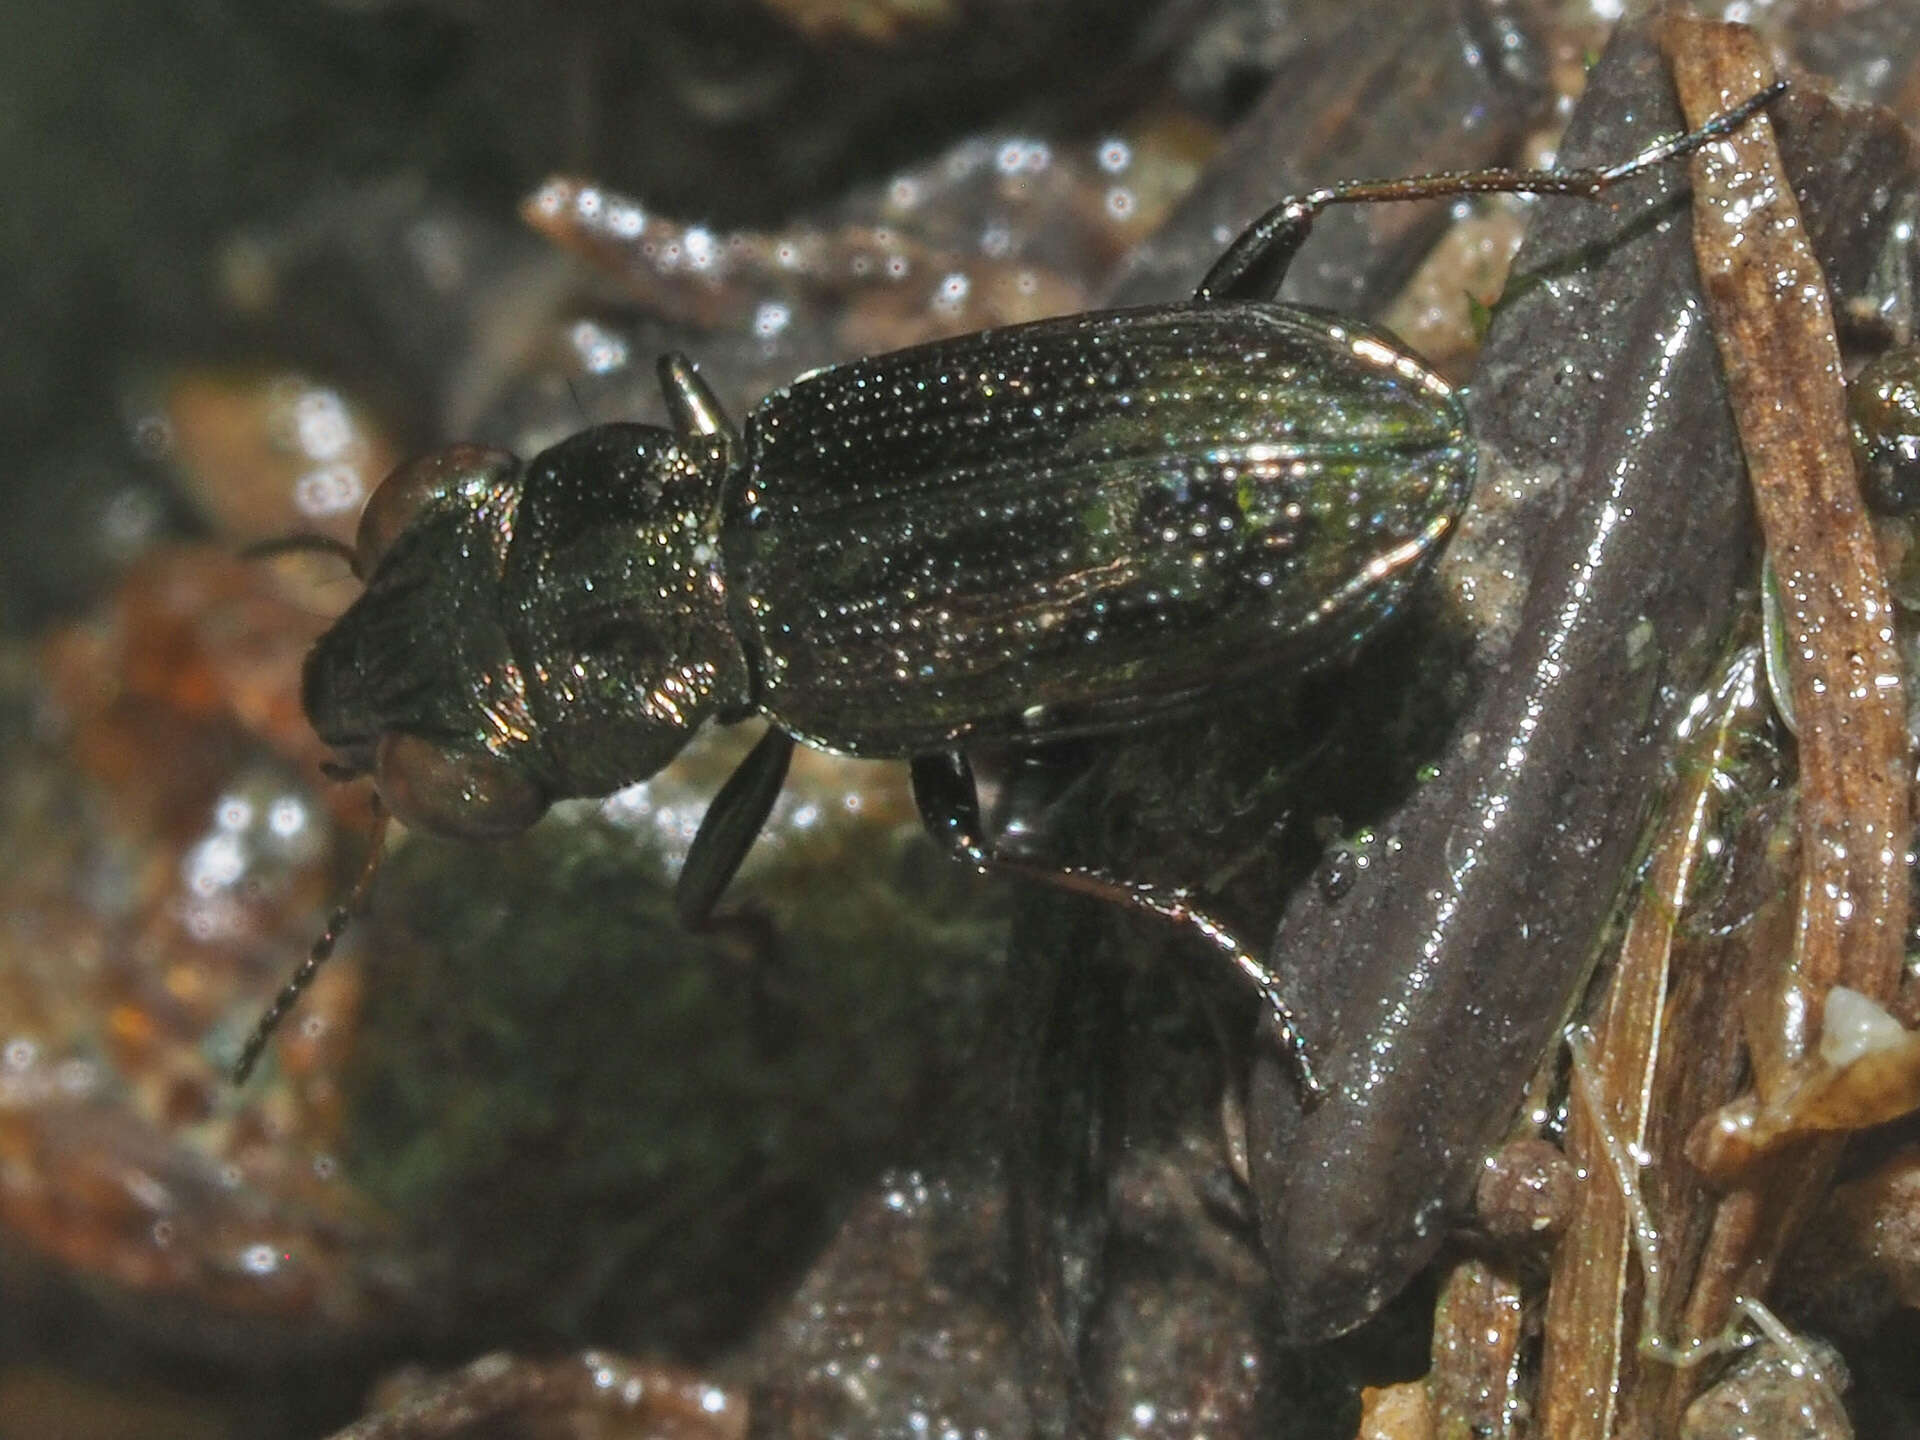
<point>1589,1367</point>
<point>1773,323</point>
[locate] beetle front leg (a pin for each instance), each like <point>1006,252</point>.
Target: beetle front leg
<point>730,826</point>
<point>949,805</point>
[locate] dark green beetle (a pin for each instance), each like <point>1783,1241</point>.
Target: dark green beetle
<point>1030,533</point>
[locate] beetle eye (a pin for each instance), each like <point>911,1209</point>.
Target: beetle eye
<point>419,485</point>
<point>463,794</point>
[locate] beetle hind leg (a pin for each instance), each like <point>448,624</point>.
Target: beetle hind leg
<point>1256,262</point>
<point>949,804</point>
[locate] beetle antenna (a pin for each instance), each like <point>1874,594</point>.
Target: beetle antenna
<point>293,544</point>
<point>301,978</point>
<point>578,403</point>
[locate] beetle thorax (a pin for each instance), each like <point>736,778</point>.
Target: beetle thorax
<point>616,601</point>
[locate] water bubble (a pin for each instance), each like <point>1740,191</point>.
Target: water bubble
<point>770,319</point>
<point>259,1260</point>
<point>600,350</point>
<point>329,490</point>
<point>287,817</point>
<point>321,426</point>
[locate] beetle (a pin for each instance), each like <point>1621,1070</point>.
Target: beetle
<point>1026,534</point>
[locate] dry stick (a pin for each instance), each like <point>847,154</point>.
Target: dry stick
<point>1586,1363</point>
<point>1479,1324</point>
<point>1773,323</point>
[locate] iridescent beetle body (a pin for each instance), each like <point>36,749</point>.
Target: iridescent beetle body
<point>1050,530</point>
<point>1014,536</point>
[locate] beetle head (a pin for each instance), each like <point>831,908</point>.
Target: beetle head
<point>416,683</point>
<point>533,631</point>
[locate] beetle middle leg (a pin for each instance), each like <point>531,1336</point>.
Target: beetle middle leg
<point>730,826</point>
<point>1255,264</point>
<point>949,804</point>
<point>736,815</point>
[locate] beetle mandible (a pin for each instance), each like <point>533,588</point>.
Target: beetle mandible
<point>1017,536</point>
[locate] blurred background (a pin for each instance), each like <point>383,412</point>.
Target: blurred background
<point>254,256</point>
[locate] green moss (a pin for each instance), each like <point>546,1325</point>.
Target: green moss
<point>579,1105</point>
